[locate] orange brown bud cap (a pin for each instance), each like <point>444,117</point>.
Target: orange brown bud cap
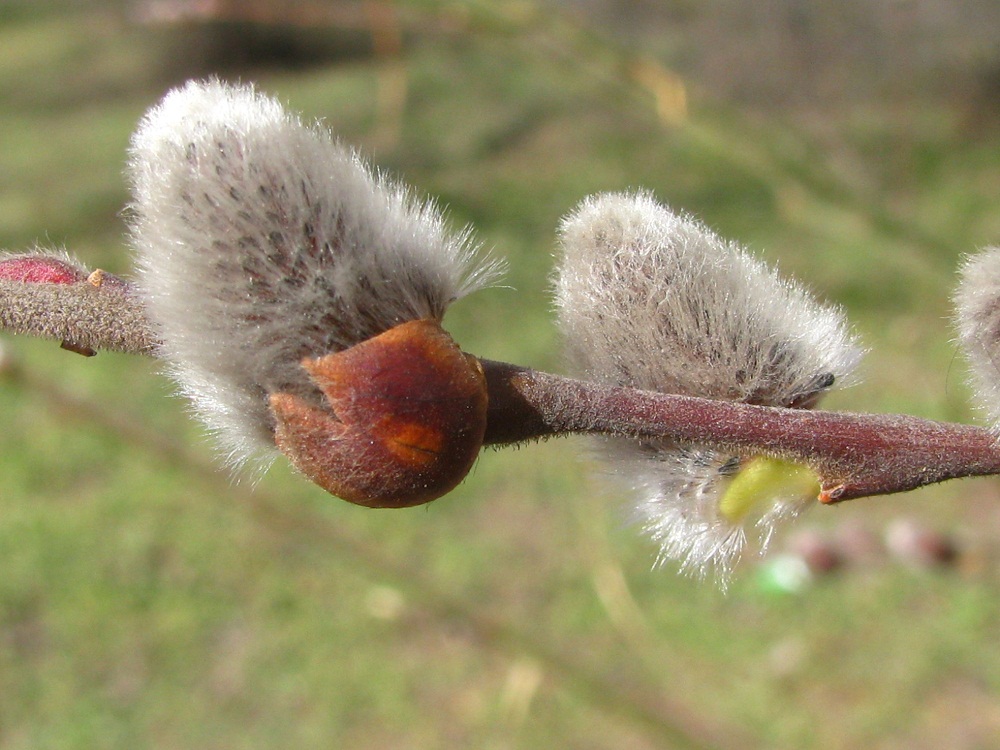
<point>403,423</point>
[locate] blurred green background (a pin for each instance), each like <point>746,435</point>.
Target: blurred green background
<point>148,600</point>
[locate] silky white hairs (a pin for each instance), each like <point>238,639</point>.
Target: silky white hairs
<point>652,299</point>
<point>977,317</point>
<point>260,241</point>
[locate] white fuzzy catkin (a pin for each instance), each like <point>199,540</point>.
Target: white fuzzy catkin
<point>652,299</point>
<point>977,317</point>
<point>260,240</point>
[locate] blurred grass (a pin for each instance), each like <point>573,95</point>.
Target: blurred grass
<point>147,601</point>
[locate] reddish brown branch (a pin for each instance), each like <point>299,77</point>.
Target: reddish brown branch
<point>855,455</point>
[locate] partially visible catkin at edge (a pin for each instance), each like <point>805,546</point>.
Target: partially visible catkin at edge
<point>652,299</point>
<point>977,318</point>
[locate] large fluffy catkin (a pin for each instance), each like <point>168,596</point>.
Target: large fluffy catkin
<point>260,240</point>
<point>652,299</point>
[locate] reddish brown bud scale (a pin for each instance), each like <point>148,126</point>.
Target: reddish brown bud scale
<point>40,269</point>
<point>405,423</point>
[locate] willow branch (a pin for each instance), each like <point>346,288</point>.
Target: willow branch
<point>98,312</point>
<point>854,455</point>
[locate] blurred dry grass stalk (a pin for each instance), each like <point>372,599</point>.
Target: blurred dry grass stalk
<point>808,56</point>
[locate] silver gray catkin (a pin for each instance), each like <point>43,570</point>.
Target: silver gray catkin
<point>260,241</point>
<point>652,299</point>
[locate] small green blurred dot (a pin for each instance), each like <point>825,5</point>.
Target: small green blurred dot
<point>784,574</point>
